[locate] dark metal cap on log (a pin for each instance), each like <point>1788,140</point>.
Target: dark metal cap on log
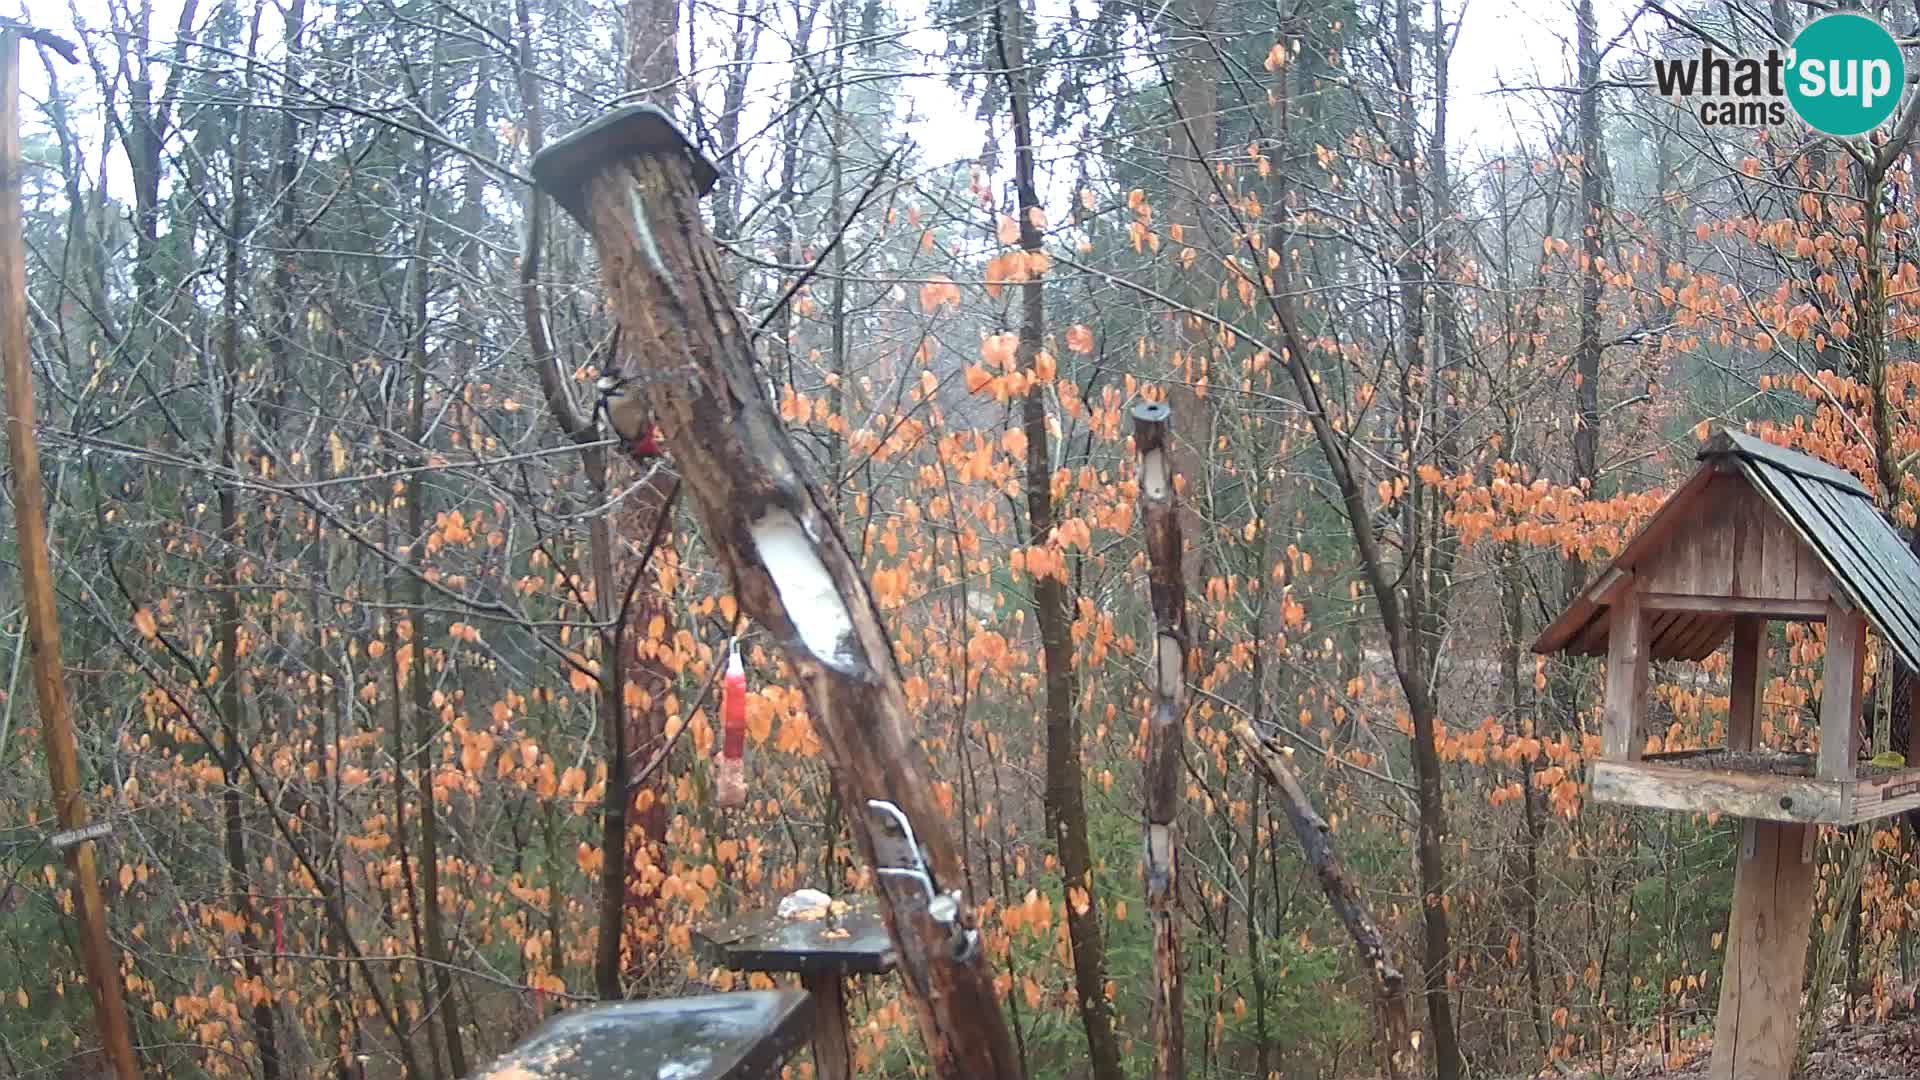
<point>1150,425</point>
<point>565,166</point>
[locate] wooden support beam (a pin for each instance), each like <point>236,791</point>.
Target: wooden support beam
<point>1749,681</point>
<point>1840,692</point>
<point>1717,791</point>
<point>832,1047</point>
<point>1764,606</point>
<point>1767,935</point>
<point>1623,722</point>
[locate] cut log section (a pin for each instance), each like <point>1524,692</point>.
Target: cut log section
<point>1166,725</point>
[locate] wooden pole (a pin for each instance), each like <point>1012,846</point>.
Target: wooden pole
<point>1623,723</point>
<point>1166,727</point>
<point>1844,670</point>
<point>832,1043</point>
<point>36,582</point>
<point>1749,681</point>
<point>634,182</point>
<point>1767,931</point>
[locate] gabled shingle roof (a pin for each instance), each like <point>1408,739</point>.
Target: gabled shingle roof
<point>1833,514</point>
<point>1828,509</point>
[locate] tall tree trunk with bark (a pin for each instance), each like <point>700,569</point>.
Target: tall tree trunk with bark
<point>768,524</point>
<point>233,541</point>
<point>1422,614</point>
<point>1066,806</point>
<point>646,513</point>
<point>421,755</point>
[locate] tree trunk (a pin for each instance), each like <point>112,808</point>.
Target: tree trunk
<point>1066,807</point>
<point>97,953</point>
<point>440,998</point>
<point>232,541</point>
<point>1417,267</point>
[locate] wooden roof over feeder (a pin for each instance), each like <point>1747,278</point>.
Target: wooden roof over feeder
<point>1758,530</point>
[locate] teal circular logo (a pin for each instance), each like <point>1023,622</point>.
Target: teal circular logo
<point>1846,74</point>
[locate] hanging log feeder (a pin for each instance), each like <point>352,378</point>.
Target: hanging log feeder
<point>634,182</point>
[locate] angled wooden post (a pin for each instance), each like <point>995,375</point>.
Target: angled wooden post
<point>634,182</point>
<point>1399,1046</point>
<point>97,953</point>
<point>1160,516</point>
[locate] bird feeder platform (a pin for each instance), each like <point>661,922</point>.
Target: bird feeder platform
<point>845,939</point>
<point>1757,534</point>
<point>1764,784</point>
<point>743,1036</point>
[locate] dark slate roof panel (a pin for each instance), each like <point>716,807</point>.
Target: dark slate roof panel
<point>1750,448</point>
<point>1833,513</point>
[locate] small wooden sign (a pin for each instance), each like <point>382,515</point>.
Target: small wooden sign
<point>64,840</point>
<point>1900,790</point>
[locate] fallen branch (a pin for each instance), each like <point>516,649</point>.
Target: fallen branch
<point>1398,1038</point>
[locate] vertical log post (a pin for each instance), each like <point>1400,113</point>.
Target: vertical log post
<point>1623,724</point>
<point>832,1044</point>
<point>1160,516</point>
<point>1843,669</point>
<point>1753,1036</point>
<point>1749,681</point>
<point>97,953</point>
<point>634,182</point>
<point>1773,879</point>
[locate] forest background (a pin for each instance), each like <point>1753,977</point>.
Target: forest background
<point>396,683</point>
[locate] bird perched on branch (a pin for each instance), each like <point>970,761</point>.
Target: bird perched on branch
<point>629,416</point>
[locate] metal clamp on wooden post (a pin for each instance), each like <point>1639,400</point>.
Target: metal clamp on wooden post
<point>897,856</point>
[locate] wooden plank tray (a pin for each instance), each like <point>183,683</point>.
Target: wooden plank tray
<point>1766,785</point>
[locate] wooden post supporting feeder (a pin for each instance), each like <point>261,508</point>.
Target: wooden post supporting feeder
<point>823,949</point>
<point>1759,533</point>
<point>634,182</point>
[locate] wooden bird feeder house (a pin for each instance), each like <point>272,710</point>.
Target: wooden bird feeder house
<point>1759,533</point>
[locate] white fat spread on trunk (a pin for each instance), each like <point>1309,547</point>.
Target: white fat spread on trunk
<point>1169,654</point>
<point>644,233</point>
<point>806,589</point>
<point>1153,474</point>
